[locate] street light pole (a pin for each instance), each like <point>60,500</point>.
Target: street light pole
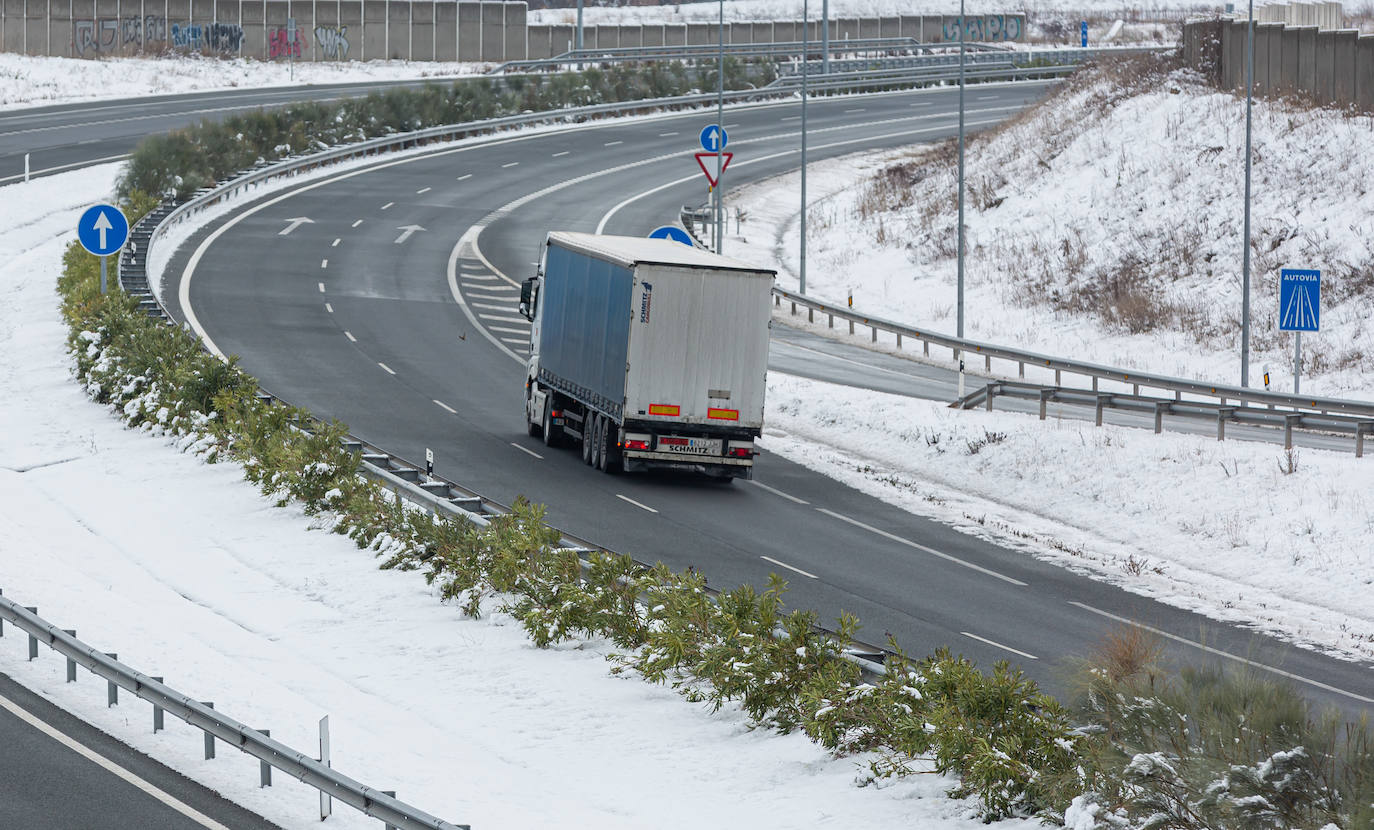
<point>960,316</point>
<point>720,127</point>
<point>825,34</point>
<point>1245,256</point>
<point>805,67</point>
<point>579,25</point>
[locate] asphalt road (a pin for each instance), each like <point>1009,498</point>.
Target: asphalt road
<point>45,783</point>
<point>411,338</point>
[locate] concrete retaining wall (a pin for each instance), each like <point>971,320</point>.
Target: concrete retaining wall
<point>1333,67</point>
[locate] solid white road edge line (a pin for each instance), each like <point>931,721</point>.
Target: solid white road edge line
<point>530,452</point>
<point>635,503</point>
<point>446,407</point>
<point>918,546</point>
<point>789,567</point>
<point>110,766</point>
<point>999,645</point>
<point>1228,655</point>
<point>777,492</point>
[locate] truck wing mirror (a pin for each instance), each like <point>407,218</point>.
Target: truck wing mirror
<point>527,298</point>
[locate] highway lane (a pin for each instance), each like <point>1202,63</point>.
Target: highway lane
<point>47,782</point>
<point>67,136</point>
<point>348,318</point>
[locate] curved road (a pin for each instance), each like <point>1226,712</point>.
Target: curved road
<point>412,339</point>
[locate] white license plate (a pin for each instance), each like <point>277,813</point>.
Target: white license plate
<point>690,446</point>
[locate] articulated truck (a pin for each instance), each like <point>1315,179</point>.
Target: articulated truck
<point>648,353</point>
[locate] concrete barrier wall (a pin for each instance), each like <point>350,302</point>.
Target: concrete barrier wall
<point>1332,67</point>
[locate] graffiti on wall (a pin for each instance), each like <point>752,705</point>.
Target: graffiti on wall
<point>986,27</point>
<point>333,42</point>
<point>280,44</point>
<point>152,31</point>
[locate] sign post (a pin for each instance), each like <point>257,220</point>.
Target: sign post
<point>102,230</point>
<point>1300,306</point>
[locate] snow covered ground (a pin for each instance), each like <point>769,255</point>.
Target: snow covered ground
<point>28,81</point>
<point>185,571</point>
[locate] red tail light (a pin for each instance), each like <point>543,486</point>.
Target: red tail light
<point>742,452</point>
<point>636,445</point>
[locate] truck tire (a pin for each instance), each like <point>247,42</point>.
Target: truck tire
<point>598,441</point>
<point>552,432</point>
<point>610,459</point>
<point>588,422</point>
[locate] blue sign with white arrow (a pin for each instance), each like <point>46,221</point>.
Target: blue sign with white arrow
<point>103,230</point>
<point>1300,299</point>
<point>1083,33</point>
<point>714,138</point>
<point>672,232</point>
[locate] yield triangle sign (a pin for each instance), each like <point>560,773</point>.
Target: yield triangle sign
<point>710,169</point>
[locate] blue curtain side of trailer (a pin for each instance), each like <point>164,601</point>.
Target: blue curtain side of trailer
<point>586,321</point>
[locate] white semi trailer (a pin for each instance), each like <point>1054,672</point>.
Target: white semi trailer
<point>648,353</point>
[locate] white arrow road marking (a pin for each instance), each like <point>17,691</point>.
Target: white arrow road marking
<point>406,231</point>
<point>102,224</point>
<point>296,223</point>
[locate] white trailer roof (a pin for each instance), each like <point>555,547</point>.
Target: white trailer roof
<point>630,251</point>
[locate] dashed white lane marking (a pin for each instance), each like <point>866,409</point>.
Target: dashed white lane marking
<point>491,307</point>
<point>860,109</point>
<point>329,308</point>
<point>464,177</point>
<point>321,288</point>
<point>357,223</point>
<point>999,645</point>
<point>1228,655</point>
<point>387,205</point>
<point>777,492</point>
<point>350,336</point>
<point>446,407</point>
<point>505,330</point>
<point>510,164</point>
<point>387,368</point>
<point>922,104</point>
<point>529,452</point>
<point>498,318</point>
<point>564,153</point>
<point>988,97</point>
<point>665,135</point>
<point>792,118</point>
<point>324,263</point>
<point>932,551</point>
<point>110,766</point>
<point>335,243</point>
<point>789,567</point>
<point>635,503</point>
<point>612,143</point>
<point>423,190</point>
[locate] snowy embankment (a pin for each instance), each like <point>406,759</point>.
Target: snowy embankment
<point>28,81</point>
<point>186,571</point>
<point>1107,177</point>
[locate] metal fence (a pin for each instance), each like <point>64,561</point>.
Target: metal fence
<point>215,724</point>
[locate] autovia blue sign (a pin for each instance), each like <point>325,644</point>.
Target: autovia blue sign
<point>1300,299</point>
<point>102,230</point>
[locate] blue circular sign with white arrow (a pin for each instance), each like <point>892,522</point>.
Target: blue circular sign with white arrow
<point>102,230</point>
<point>672,232</point>
<point>714,138</point>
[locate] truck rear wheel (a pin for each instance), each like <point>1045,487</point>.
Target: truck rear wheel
<point>588,423</point>
<point>609,460</point>
<point>552,432</point>
<point>598,442</point>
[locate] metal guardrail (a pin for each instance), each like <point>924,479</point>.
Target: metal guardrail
<point>920,75</point>
<point>216,724</point>
<point>628,54</point>
<point>950,57</point>
<point>1097,372</point>
<point>1221,413</point>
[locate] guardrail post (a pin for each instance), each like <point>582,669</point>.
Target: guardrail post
<point>1094,383</point>
<point>777,301</point>
<point>925,347</point>
<point>899,341</point>
<point>1056,378</point>
<point>1160,409</point>
<point>264,768</point>
<point>875,333</point>
<point>209,739</point>
<point>1020,368</point>
<point>987,362</point>
<point>992,389</point>
<point>2,622</point>
<point>71,664</point>
<point>1102,401</point>
<point>794,309</point>
<point>157,714</point>
<point>811,315</point>
<point>830,321</point>
<point>112,691</point>
<point>33,641</point>
<point>1045,395</point>
<point>1360,430</point>
<point>391,793</point>
<point>1289,421</point>
<point>1222,414</point>
<point>851,326</point>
